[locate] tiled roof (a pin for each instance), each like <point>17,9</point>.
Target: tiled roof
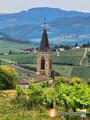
<point>35,79</point>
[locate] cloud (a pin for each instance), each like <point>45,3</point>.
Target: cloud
<point>18,5</point>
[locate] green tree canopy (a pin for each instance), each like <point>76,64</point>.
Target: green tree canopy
<point>7,77</point>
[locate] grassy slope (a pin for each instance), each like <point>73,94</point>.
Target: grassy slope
<point>11,111</point>
<point>69,57</point>
<point>20,58</point>
<point>62,69</point>
<point>88,57</point>
<point>66,57</point>
<point>5,46</point>
<point>81,71</point>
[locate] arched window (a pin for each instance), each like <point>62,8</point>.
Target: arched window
<point>42,63</point>
<point>50,64</point>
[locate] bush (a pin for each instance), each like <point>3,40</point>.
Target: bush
<point>75,80</point>
<point>59,80</point>
<point>7,78</point>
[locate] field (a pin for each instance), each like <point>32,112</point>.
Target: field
<point>11,109</point>
<point>63,70</point>
<point>6,46</point>
<point>20,58</point>
<point>71,57</point>
<point>64,64</point>
<point>81,71</point>
<point>88,57</point>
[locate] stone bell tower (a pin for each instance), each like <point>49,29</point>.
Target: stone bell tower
<point>44,62</point>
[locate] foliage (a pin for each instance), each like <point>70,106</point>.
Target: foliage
<point>34,95</point>
<point>75,80</point>
<point>62,94</point>
<point>48,97</point>
<point>10,109</point>
<point>73,96</point>
<point>59,80</point>
<point>88,56</point>
<point>7,77</point>
<point>44,83</point>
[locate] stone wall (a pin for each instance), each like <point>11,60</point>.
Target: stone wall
<point>48,63</point>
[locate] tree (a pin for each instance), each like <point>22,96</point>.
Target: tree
<point>7,77</point>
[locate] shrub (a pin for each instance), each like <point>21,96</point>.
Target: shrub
<point>75,80</point>
<point>7,78</point>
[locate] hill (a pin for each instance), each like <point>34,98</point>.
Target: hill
<point>27,25</point>
<point>14,46</point>
<point>70,57</point>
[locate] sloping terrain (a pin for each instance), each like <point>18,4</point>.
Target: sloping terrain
<point>63,26</point>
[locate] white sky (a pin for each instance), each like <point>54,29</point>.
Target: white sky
<point>18,5</point>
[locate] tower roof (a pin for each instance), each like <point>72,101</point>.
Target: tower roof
<point>44,45</point>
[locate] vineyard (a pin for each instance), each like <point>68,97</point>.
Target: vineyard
<point>81,71</point>
<point>20,58</point>
<point>88,56</point>
<point>66,64</point>
<point>71,57</point>
<point>6,46</point>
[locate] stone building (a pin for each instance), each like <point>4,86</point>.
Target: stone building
<point>43,61</point>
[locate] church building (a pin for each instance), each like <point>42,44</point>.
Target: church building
<point>44,61</point>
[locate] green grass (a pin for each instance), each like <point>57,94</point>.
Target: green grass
<point>81,71</point>
<point>67,57</point>
<point>69,71</point>
<point>71,57</point>
<point>88,57</point>
<point>5,46</point>
<point>62,69</point>
<point>9,110</point>
<point>20,58</point>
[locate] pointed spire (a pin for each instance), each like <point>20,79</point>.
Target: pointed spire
<point>44,45</point>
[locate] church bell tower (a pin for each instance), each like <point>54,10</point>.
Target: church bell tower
<point>44,62</point>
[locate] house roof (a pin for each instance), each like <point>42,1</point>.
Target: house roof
<point>26,80</point>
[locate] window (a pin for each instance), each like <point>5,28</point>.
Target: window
<point>42,63</point>
<point>50,64</point>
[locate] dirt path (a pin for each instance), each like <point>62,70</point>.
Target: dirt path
<point>84,55</point>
